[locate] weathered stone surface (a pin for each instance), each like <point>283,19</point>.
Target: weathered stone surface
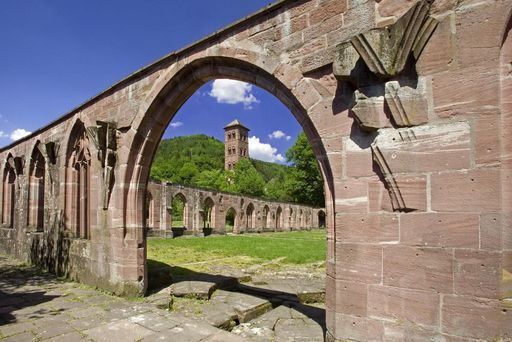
<point>359,262</point>
<point>351,297</point>
<point>477,318</point>
<point>477,273</point>
<point>371,228</point>
<point>245,306</point>
<point>476,191</point>
<point>408,106</point>
<point>418,307</point>
<point>369,111</point>
<point>193,289</point>
<point>440,230</point>
<point>399,193</point>
<point>426,148</point>
<point>418,268</point>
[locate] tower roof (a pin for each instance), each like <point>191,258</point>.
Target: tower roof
<point>235,123</point>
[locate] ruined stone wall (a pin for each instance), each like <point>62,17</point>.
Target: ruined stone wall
<point>268,216</point>
<point>407,109</point>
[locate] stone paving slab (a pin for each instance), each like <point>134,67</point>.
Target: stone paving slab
<point>38,307</point>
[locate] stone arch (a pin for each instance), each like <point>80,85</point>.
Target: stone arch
<point>208,212</point>
<point>250,219</point>
<point>265,217</point>
<point>279,215</point>
<point>177,86</point>
<point>231,214</point>
<point>321,218</point>
<point>174,87</point>
<point>36,190</point>
<point>179,196</point>
<point>150,210</point>
<point>8,193</point>
<point>77,198</point>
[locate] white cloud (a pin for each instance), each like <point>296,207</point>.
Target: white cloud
<point>278,135</point>
<point>176,124</point>
<point>3,135</point>
<point>19,133</point>
<point>263,151</point>
<point>233,92</point>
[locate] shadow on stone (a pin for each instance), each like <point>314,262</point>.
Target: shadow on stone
<point>163,275</point>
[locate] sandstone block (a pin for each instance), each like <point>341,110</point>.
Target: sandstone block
<point>477,318</point>
<point>359,160</point>
<point>426,148</point>
<point>477,273</point>
<point>358,328</point>
<point>369,111</point>
<point>351,196</point>
<point>404,193</point>
<point>487,141</point>
<point>351,298</point>
<point>440,230</point>
<point>419,307</point>
<point>360,263</point>
<point>476,191</point>
<point>491,231</point>
<point>418,268</point>
<point>438,53</point>
<point>408,106</point>
<point>458,101</point>
<point>369,228</point>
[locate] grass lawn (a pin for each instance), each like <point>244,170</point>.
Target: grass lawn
<point>301,247</point>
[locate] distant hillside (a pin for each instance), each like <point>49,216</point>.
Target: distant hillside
<point>180,159</point>
<point>198,160</point>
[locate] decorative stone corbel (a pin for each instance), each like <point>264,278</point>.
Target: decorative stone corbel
<point>407,106</point>
<point>372,58</point>
<point>386,51</point>
<point>103,136</point>
<point>369,111</point>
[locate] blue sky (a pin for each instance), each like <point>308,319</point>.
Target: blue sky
<point>56,54</point>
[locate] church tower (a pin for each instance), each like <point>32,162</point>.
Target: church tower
<point>236,144</point>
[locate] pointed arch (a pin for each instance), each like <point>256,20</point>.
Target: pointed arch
<point>279,215</point>
<point>8,193</point>
<point>249,214</point>
<point>36,189</point>
<point>78,178</point>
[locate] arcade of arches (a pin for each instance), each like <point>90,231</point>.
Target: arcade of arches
<point>407,105</point>
<point>205,211</point>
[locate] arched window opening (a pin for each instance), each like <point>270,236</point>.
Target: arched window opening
<point>279,212</point>
<point>230,222</point>
<point>265,217</point>
<point>249,213</point>
<point>150,210</point>
<point>179,213</point>
<point>36,190</point>
<point>208,214</point>
<point>321,219</point>
<point>78,165</point>
<point>8,196</point>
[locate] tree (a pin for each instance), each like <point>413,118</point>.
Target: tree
<point>247,180</point>
<point>304,183</point>
<point>212,179</point>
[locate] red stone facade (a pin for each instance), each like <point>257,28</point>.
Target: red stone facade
<point>408,107</point>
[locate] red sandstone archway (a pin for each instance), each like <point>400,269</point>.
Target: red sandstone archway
<point>169,95</point>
